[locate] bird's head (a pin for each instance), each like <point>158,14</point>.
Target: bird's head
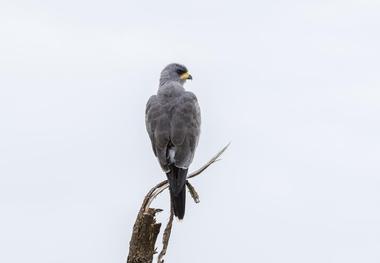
<point>175,72</point>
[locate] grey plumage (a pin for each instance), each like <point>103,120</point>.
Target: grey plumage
<point>173,123</point>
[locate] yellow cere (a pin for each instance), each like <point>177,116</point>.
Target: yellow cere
<point>185,76</point>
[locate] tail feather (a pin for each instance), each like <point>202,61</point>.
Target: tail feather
<point>177,187</point>
<point>179,203</point>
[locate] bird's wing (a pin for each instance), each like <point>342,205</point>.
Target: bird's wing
<point>151,119</point>
<point>185,128</point>
<point>158,127</point>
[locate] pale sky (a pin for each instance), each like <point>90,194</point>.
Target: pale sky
<point>294,85</point>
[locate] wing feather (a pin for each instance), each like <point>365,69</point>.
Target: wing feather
<point>185,128</point>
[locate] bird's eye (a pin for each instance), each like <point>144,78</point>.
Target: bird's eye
<point>180,71</point>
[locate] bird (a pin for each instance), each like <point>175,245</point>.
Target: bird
<point>173,121</point>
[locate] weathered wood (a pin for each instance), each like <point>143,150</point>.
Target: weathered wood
<point>144,236</point>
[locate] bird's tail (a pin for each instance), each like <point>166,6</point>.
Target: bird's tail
<point>177,187</point>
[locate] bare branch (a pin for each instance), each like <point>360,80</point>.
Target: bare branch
<point>192,191</point>
<point>166,237</point>
<point>146,230</point>
<point>155,191</point>
<point>213,160</point>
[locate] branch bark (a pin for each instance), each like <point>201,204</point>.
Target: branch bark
<point>146,229</point>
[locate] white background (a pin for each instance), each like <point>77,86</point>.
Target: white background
<point>293,84</point>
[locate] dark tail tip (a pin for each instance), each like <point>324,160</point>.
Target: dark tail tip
<point>179,203</point>
<point>177,186</point>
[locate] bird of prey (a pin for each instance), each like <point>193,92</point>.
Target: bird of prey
<point>173,120</point>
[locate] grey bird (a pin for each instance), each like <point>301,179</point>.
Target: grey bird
<point>173,121</point>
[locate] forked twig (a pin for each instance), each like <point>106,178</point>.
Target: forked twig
<point>155,191</point>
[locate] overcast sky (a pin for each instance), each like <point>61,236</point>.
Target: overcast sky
<point>295,86</point>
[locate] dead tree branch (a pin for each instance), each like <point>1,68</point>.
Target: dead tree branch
<point>146,229</point>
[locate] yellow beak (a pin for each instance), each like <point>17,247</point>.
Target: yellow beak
<point>185,76</point>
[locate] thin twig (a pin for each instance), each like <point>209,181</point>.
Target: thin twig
<point>213,160</point>
<point>166,237</point>
<point>192,191</point>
